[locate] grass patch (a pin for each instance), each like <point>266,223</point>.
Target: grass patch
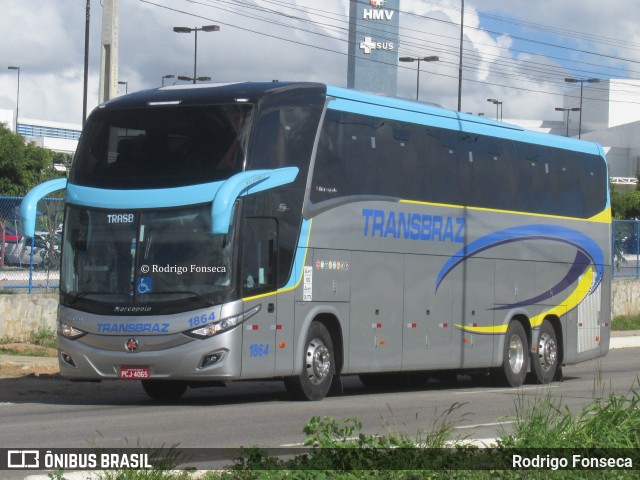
<point>626,322</point>
<point>41,343</point>
<point>338,449</point>
<point>612,423</point>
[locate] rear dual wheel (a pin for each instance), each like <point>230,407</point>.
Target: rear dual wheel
<point>545,358</point>
<point>515,357</point>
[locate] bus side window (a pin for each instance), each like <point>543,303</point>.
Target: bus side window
<point>259,262</point>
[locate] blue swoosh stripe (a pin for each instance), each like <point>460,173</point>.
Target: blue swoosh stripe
<point>582,242</point>
<point>580,265</point>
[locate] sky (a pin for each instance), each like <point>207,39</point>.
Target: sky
<point>518,52</point>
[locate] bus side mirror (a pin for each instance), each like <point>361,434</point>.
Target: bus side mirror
<point>29,204</point>
<point>241,184</point>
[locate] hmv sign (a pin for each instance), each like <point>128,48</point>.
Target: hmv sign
<point>378,11</point>
<point>373,45</point>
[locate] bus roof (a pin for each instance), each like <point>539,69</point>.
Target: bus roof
<point>353,100</point>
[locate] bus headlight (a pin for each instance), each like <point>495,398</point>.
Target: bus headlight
<point>222,325</point>
<point>68,331</point>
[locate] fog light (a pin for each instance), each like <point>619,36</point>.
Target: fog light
<point>66,358</point>
<point>211,359</point>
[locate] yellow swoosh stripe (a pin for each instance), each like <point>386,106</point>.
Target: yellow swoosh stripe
<point>571,302</point>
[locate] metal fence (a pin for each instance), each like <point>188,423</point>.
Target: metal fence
<point>626,248</point>
<point>30,264</point>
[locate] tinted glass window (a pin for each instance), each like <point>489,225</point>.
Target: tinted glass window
<point>360,155</point>
<point>284,136</point>
<point>164,146</point>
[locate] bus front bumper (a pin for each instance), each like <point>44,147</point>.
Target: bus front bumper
<point>214,359</point>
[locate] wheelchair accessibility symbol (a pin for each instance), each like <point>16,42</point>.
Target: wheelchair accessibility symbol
<point>145,285</point>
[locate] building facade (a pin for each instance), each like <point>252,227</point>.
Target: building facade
<point>56,136</point>
<point>373,46</point>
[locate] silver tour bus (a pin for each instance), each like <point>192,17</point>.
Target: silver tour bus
<point>305,232</point>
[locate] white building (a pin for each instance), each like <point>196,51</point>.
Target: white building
<point>56,136</point>
<point>610,116</point>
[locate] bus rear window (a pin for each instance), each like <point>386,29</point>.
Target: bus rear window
<point>161,147</point>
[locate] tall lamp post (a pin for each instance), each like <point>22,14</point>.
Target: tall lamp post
<point>567,109</point>
<point>165,77</point>
<point>189,79</point>
<point>581,81</point>
<point>17,96</point>
<point>432,58</point>
<point>497,103</point>
<point>206,28</point>
<point>126,86</point>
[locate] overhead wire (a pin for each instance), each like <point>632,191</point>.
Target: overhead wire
<point>336,29</point>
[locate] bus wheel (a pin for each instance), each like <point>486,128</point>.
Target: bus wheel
<point>515,356</point>
<point>318,366</point>
<point>545,359</point>
<point>164,389</point>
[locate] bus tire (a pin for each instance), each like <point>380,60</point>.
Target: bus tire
<point>544,361</point>
<point>318,366</point>
<point>515,357</point>
<point>164,390</point>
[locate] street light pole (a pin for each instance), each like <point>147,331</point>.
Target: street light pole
<point>496,103</point>
<point>432,58</point>
<point>86,61</point>
<point>567,109</point>
<point>189,79</point>
<point>17,96</point>
<point>206,28</point>
<point>166,76</point>
<point>581,81</point>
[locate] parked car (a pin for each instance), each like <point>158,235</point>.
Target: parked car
<point>42,239</point>
<point>10,234</point>
<point>19,253</point>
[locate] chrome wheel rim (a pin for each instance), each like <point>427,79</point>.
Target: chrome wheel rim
<point>318,361</point>
<point>547,352</point>
<point>516,354</point>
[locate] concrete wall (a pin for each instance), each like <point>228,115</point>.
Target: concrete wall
<point>625,296</point>
<point>21,314</point>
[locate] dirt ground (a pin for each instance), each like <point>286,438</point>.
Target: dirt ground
<point>20,359</point>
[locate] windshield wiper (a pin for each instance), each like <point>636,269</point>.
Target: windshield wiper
<point>193,295</point>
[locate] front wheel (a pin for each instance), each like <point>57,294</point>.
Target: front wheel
<point>544,360</point>
<point>318,366</point>
<point>515,357</point>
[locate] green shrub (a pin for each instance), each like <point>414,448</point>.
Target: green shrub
<point>625,322</point>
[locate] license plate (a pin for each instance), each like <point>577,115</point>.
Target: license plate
<point>135,373</point>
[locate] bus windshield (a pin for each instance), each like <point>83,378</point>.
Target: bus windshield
<point>161,147</point>
<point>144,256</point>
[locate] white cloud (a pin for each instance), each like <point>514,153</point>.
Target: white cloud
<point>49,47</point>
